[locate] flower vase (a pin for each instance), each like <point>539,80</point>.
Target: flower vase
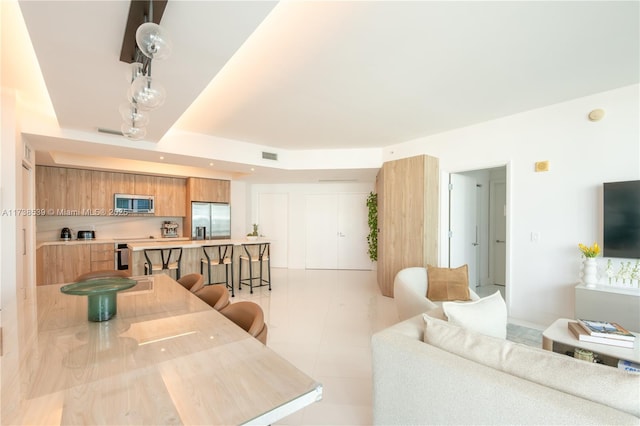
<point>590,272</point>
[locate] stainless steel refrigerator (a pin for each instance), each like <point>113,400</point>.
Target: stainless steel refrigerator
<point>215,218</point>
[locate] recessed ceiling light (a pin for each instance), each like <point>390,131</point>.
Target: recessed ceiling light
<point>211,164</point>
<point>253,170</point>
<point>161,157</point>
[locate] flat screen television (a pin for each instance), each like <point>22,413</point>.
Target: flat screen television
<point>621,216</point>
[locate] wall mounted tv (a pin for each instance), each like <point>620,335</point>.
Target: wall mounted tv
<point>621,202</point>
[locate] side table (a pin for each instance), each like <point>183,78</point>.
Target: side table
<point>558,338</point>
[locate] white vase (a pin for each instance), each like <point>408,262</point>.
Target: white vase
<point>590,272</point>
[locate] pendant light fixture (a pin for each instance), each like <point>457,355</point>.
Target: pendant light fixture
<point>144,93</point>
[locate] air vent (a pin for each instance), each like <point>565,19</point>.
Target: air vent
<point>270,156</point>
<point>110,131</point>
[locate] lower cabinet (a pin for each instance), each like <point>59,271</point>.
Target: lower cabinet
<point>102,257</point>
<point>57,264</point>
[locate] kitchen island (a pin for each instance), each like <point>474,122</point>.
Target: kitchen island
<point>191,254</point>
<point>165,358</point>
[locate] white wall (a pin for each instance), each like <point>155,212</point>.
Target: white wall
<point>297,221</point>
<point>564,205</point>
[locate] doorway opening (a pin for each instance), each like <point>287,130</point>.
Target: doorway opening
<point>478,227</point>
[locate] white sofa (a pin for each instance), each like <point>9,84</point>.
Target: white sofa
<point>410,293</point>
<point>465,378</point>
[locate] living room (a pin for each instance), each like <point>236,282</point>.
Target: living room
<point>561,206</point>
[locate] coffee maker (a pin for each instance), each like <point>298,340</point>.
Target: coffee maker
<point>65,234</point>
<point>169,229</point>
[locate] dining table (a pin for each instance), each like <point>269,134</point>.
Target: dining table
<point>166,357</point>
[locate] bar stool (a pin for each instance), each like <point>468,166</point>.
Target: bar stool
<point>219,255</point>
<point>255,253</point>
<point>170,260</point>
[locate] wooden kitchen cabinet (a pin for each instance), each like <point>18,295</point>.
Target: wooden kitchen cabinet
<point>60,190</point>
<point>106,184</point>
<point>407,217</point>
<point>205,190</point>
<point>102,256</point>
<point>170,197</point>
<point>62,263</point>
<point>145,185</point>
<point>208,190</point>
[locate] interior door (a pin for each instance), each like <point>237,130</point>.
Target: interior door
<point>353,229</point>
<point>321,231</point>
<point>273,221</point>
<point>336,231</point>
<point>498,216</point>
<point>463,225</point>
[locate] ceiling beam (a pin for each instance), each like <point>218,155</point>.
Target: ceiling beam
<point>138,10</point>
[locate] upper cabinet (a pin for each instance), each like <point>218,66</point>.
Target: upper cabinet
<point>170,196</point>
<point>407,217</point>
<point>208,190</point>
<point>60,190</point>
<point>105,184</point>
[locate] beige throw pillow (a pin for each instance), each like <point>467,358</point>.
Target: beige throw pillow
<point>447,283</point>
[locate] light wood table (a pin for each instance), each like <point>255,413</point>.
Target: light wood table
<point>165,358</point>
<point>558,338</point>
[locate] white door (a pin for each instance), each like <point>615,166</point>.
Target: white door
<point>273,221</point>
<point>353,228</point>
<point>336,231</point>
<point>463,225</point>
<point>498,253</point>
<point>321,213</point>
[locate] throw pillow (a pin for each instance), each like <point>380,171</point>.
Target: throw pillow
<point>447,283</point>
<point>487,315</point>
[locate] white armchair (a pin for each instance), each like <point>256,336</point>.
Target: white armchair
<point>410,293</point>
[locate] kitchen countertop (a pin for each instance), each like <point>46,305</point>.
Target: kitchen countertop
<point>152,244</point>
<point>106,241</point>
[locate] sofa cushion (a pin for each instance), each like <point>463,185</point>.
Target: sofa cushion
<point>598,383</point>
<point>448,283</point>
<point>487,315</point>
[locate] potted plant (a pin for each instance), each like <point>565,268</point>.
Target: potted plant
<point>252,236</point>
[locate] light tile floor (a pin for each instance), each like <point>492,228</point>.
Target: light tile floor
<point>322,321</point>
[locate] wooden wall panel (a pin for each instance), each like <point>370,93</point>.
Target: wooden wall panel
<point>408,217</point>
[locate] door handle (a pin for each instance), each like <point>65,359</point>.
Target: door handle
<point>500,241</point>
<point>475,244</point>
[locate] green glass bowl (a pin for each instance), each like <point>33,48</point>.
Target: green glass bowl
<point>102,295</point>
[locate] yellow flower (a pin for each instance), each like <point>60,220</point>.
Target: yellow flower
<point>592,251</point>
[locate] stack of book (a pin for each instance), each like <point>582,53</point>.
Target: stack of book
<point>607,333</point>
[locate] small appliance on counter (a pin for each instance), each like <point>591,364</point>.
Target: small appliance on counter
<point>86,235</point>
<point>201,233</point>
<point>65,234</point>
<point>169,229</point>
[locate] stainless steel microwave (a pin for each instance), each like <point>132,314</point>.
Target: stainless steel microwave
<point>133,203</point>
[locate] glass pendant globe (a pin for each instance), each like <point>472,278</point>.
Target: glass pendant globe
<point>134,71</point>
<point>134,116</point>
<point>147,94</point>
<point>133,133</point>
<point>153,41</point>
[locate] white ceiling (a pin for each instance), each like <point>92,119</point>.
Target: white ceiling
<point>334,74</point>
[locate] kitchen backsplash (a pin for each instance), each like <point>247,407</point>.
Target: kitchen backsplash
<point>48,227</point>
